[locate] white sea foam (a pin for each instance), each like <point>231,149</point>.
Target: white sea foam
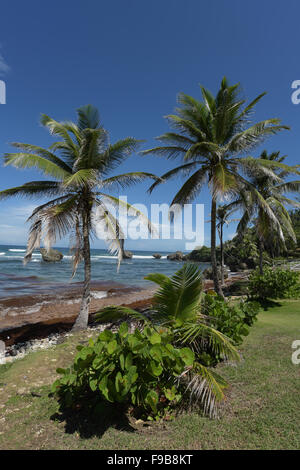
<point>16,249</point>
<point>2,253</point>
<point>99,294</point>
<point>73,301</point>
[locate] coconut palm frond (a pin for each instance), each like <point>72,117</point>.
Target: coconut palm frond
<point>28,160</point>
<point>117,153</point>
<point>130,211</point>
<point>60,129</point>
<point>33,189</point>
<point>110,231</point>
<point>158,278</point>
<point>114,313</point>
<point>204,386</point>
<point>191,187</point>
<point>178,300</point>
<point>180,170</point>
<point>128,179</point>
<point>197,332</point>
<point>82,178</point>
<point>34,239</point>
<point>58,220</point>
<point>254,135</point>
<point>36,150</point>
<point>171,151</point>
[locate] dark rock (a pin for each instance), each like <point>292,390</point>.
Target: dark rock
<point>156,255</point>
<point>51,256</point>
<point>178,256</point>
<point>127,254</point>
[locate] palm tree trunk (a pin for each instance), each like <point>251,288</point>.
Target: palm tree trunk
<point>213,249</point>
<point>261,249</point>
<point>83,316</point>
<point>222,255</point>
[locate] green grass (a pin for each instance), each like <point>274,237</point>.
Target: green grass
<point>261,410</point>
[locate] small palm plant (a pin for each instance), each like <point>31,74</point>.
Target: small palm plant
<point>79,203</point>
<point>272,223</point>
<point>177,306</point>
<point>211,138</point>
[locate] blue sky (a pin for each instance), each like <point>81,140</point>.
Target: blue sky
<point>130,59</point>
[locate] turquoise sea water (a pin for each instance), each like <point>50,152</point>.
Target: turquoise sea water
<point>38,276</point>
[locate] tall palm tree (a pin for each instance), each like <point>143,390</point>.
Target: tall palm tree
<point>272,222</point>
<point>79,177</point>
<point>210,137</point>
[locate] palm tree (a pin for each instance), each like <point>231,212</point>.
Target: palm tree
<point>272,222</point>
<point>79,177</point>
<point>209,138</point>
<point>222,218</point>
<point>177,306</point>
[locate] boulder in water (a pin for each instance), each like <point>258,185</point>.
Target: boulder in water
<point>127,254</point>
<point>156,255</point>
<point>178,256</point>
<point>51,256</point>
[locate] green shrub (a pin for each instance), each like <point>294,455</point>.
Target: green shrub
<point>177,305</point>
<point>138,369</point>
<point>232,321</point>
<point>239,287</point>
<point>274,284</point>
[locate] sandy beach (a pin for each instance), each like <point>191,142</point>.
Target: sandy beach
<point>29,317</point>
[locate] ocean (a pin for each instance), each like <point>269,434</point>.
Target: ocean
<point>39,277</point>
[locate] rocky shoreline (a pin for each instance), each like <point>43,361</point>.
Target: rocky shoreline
<point>25,333</point>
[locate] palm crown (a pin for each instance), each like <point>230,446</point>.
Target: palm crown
<point>209,138</point>
<point>273,188</point>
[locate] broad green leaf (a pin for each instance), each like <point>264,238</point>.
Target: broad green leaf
<point>187,356</point>
<point>112,346</point>
<point>155,338</point>
<point>106,335</point>
<point>123,330</point>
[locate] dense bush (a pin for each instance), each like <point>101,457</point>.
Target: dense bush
<point>138,369</point>
<point>234,321</point>
<point>274,284</point>
<point>239,287</point>
<point>166,353</point>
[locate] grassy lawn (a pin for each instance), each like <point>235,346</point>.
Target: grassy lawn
<point>261,411</point>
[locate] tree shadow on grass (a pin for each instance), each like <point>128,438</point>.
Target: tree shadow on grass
<point>267,304</point>
<point>93,422</point>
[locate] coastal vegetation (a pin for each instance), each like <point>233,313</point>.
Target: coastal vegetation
<point>272,224</point>
<point>180,315</point>
<point>168,359</point>
<point>261,410</point>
